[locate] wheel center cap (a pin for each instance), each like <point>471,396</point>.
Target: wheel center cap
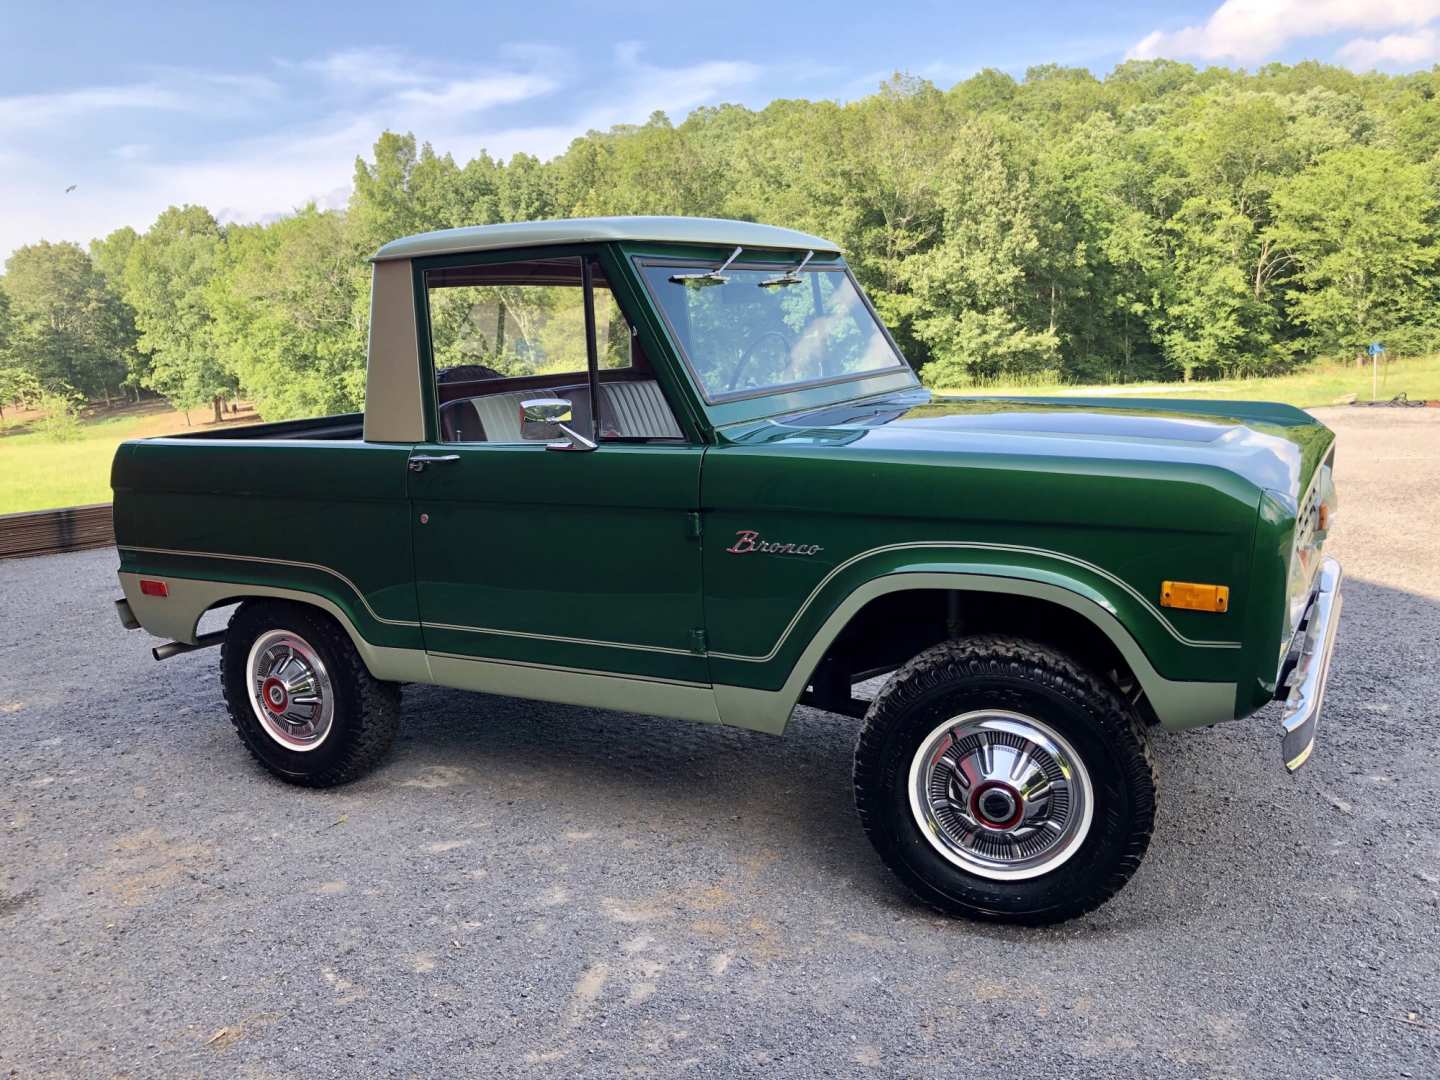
<point>997,805</point>
<point>272,693</point>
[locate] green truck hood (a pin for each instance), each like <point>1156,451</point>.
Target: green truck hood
<point>1274,447</point>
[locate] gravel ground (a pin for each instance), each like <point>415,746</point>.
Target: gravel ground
<point>528,889</point>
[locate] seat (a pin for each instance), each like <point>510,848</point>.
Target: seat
<point>632,409</point>
<point>636,409</point>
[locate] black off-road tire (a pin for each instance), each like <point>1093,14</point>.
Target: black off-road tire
<point>1014,675</point>
<point>366,709</point>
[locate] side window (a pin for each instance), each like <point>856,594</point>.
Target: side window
<point>505,333</point>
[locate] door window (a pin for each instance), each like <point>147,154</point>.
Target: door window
<point>505,333</point>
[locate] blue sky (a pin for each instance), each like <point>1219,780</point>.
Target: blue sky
<point>253,109</point>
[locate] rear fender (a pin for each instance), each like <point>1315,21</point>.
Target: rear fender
<point>176,616</point>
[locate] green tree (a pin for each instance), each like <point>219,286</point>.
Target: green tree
<point>978,307</point>
<point>68,327</point>
<point>166,274</point>
<point>110,256</point>
<point>892,141</point>
<point>17,383</point>
<point>289,323</point>
<point>1360,224</point>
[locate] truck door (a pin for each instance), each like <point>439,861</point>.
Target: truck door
<point>543,559</point>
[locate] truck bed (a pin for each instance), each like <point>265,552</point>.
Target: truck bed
<point>340,427</point>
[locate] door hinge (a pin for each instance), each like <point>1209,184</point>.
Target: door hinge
<point>697,642</point>
<point>692,525</point>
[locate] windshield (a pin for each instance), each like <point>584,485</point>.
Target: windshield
<point>760,330</point>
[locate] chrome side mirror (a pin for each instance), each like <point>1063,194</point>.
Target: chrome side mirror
<point>548,419</point>
<point>540,418</point>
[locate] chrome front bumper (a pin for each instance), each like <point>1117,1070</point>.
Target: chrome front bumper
<point>1311,671</point>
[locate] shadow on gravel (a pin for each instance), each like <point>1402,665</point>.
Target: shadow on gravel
<point>799,785</point>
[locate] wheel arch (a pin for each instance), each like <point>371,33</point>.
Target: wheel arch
<point>1174,704</point>
<point>177,616</point>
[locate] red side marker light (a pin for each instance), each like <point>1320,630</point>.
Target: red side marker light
<point>151,587</point>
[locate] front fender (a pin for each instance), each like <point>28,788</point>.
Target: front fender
<point>769,660</point>
<point>1187,681</point>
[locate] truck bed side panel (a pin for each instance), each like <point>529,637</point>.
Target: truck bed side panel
<point>330,518</point>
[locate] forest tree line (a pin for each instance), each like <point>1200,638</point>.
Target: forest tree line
<point>1162,222</point>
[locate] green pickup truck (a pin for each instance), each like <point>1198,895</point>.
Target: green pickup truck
<point>678,466</point>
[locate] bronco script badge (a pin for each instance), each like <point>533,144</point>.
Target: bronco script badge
<point>748,540</point>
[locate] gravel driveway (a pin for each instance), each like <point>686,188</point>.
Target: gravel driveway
<point>529,889</point>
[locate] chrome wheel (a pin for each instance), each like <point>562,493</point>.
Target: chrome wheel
<point>290,690</point>
<point>1001,795</point>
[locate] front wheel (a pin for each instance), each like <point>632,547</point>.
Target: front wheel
<point>300,696</point>
<point>1001,781</point>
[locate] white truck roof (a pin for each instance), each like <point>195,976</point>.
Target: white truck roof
<point>713,232</point>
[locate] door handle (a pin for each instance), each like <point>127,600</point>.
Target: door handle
<point>419,461</point>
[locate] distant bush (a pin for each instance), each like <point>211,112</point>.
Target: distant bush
<point>60,415</point>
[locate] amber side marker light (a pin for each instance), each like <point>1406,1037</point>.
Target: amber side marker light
<point>1193,597</point>
<point>151,587</point>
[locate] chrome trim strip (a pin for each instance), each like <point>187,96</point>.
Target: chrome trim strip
<point>1312,671</point>
<point>950,545</point>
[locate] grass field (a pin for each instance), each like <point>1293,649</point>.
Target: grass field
<point>1319,384</point>
<point>37,473</point>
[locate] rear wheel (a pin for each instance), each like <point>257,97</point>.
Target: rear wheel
<point>1001,781</point>
<point>300,696</point>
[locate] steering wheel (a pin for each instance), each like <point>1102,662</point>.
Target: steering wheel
<point>750,351</point>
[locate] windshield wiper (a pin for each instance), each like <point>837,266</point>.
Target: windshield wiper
<point>708,277</point>
<point>790,277</point>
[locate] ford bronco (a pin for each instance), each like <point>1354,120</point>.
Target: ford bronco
<point>679,467</point>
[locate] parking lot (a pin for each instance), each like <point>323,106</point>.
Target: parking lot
<point>532,889</point>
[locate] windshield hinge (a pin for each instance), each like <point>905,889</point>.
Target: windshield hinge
<point>692,525</point>
<point>697,642</point>
<point>708,277</point>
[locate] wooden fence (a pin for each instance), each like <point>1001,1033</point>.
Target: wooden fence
<point>44,532</point>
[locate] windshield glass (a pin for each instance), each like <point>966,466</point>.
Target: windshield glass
<point>743,337</point>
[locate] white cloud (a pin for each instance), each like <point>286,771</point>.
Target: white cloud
<point>473,95</point>
<point>348,100</point>
<point>40,110</point>
<point>169,90</point>
<point>367,67</point>
<point>674,91</point>
<point>1248,31</point>
<point>1393,50</point>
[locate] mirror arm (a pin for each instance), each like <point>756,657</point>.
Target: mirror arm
<point>573,441</point>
